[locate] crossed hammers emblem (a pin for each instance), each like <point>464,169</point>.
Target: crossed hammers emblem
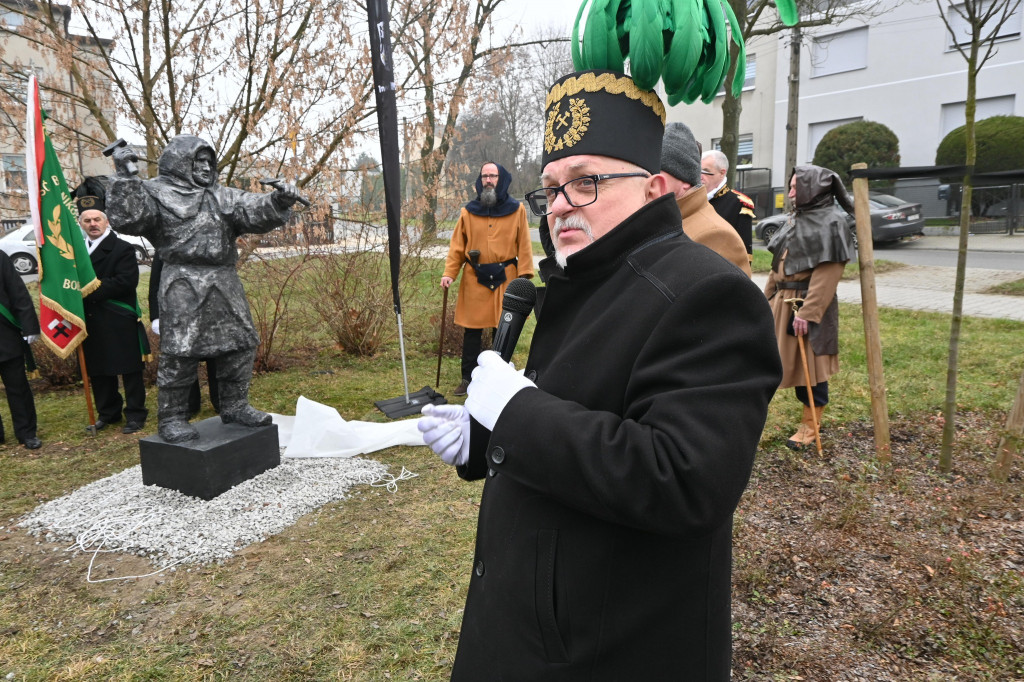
<point>59,328</point>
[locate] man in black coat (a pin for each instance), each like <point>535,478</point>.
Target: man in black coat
<point>19,327</point>
<point>736,207</point>
<point>614,463</point>
<point>116,343</point>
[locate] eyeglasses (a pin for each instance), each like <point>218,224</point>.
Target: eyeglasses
<point>578,192</point>
<point>706,172</point>
<point>488,175</point>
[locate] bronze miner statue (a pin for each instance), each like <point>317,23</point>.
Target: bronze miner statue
<point>193,223</point>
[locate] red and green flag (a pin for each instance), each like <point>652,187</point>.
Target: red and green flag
<point>65,271</point>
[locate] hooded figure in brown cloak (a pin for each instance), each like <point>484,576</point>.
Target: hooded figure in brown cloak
<point>809,255</point>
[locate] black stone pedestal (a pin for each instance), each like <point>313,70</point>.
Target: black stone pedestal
<point>223,456</point>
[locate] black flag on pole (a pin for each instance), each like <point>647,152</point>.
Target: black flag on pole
<point>387,122</point>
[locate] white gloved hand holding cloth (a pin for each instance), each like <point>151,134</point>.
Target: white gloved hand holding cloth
<point>445,430</point>
<point>494,383</point>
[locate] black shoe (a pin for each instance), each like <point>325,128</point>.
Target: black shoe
<point>462,388</point>
<point>100,425</point>
<point>33,443</point>
<point>132,427</point>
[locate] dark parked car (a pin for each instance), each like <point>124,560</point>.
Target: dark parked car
<point>892,219</point>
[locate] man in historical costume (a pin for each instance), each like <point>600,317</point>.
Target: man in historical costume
<point>736,207</point>
<point>680,164</point>
<point>116,344</point>
<point>19,327</point>
<point>193,223</point>
<point>614,463</point>
<point>809,254</point>
<point>492,241</point>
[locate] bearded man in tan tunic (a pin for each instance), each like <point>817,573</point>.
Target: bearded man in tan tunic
<point>492,239</point>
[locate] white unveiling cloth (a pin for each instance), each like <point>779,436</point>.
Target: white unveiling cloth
<point>318,430</point>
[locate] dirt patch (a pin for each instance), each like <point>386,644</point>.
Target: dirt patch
<point>845,570</point>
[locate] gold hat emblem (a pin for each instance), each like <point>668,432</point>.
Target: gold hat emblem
<point>87,202</point>
<point>565,129</point>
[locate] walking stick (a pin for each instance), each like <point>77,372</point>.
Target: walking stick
<point>807,378</point>
<point>440,341</point>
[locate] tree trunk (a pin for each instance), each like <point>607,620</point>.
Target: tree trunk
<point>1012,440</point>
<point>793,116</point>
<point>949,408</point>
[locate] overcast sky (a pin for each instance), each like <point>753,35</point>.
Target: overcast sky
<point>533,15</point>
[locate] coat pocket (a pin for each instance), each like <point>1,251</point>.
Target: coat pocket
<point>545,596</point>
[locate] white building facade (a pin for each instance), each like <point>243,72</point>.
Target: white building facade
<point>899,67</point>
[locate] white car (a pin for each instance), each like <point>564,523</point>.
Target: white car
<point>20,245</point>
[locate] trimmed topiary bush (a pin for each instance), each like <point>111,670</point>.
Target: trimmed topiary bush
<point>858,142</point>
<point>1000,142</point>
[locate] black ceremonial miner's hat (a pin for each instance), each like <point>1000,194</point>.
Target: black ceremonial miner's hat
<point>91,195</point>
<point>606,114</point>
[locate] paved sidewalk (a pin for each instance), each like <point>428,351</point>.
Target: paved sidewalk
<point>931,288</point>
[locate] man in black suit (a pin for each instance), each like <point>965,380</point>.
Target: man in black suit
<point>19,327</point>
<point>116,343</point>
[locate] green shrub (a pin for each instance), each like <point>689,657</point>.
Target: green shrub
<point>1000,144</point>
<point>858,142</point>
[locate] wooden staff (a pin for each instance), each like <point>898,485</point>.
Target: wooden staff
<point>807,376</point>
<point>440,341</point>
<point>91,428</point>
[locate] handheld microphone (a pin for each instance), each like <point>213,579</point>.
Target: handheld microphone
<point>516,305</point>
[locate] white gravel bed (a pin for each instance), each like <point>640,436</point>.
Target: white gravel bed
<point>120,514</point>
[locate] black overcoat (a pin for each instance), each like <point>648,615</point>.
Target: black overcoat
<point>738,211</point>
<point>604,540</point>
<point>112,345</point>
<point>15,297</point>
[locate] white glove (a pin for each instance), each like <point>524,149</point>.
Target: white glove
<point>445,429</point>
<point>494,383</point>
<point>156,326</point>
<point>31,338</point>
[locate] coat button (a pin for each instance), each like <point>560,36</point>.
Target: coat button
<point>498,455</point>
<point>532,375</point>
<point>479,570</point>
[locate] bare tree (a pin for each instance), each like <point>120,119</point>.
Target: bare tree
<point>504,120</point>
<point>759,18</point>
<point>441,42</point>
<point>974,26</point>
<point>277,87</point>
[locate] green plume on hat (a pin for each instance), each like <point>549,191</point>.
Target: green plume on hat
<point>685,43</point>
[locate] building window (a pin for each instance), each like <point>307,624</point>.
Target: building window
<point>11,19</point>
<point>15,172</point>
<point>961,31</point>
<point>816,131</point>
<point>744,149</point>
<point>839,52</point>
<point>954,115</point>
<point>751,75</point>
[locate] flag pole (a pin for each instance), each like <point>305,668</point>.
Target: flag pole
<point>88,393</point>
<point>387,124</point>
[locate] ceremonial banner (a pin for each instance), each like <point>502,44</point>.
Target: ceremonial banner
<point>65,271</point>
<point>387,123</point>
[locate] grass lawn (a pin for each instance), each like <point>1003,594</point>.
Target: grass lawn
<point>838,561</point>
